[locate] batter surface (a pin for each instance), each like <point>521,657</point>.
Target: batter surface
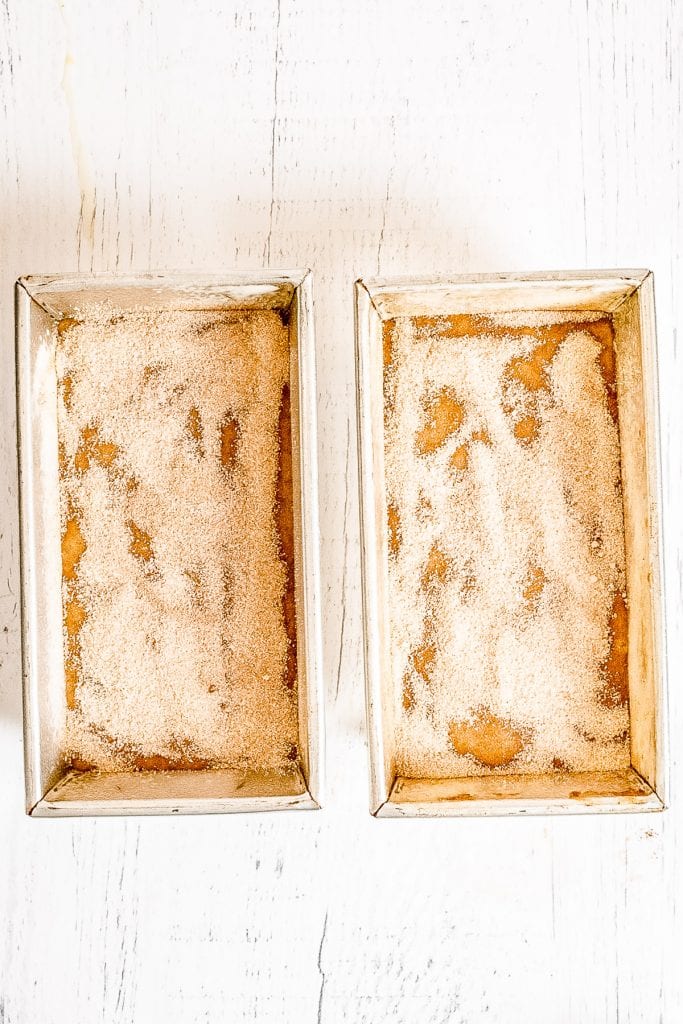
<point>177,540</point>
<point>505,534</point>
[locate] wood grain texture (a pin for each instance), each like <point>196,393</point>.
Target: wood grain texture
<point>357,138</point>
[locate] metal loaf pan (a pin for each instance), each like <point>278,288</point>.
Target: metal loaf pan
<point>52,788</point>
<point>628,297</point>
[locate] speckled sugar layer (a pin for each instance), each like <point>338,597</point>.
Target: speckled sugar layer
<point>506,545</point>
<point>176,583</point>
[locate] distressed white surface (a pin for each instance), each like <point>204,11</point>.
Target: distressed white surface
<point>354,137</point>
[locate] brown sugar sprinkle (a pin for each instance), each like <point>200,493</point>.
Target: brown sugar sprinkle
<point>66,388</point>
<point>196,581</point>
<point>559,765</point>
<point>615,668</point>
<point>73,546</point>
<point>532,370</point>
<point>526,429</point>
<point>459,459</point>
<point>92,449</point>
<point>82,460</point>
<point>394,526</point>
<point>71,677</point>
<point>421,663</point>
<point>508,625</point>
<point>536,581</point>
<point>603,332</point>
<point>442,416</point>
<point>190,663</point>
<point>148,373</point>
<point>423,660</point>
<point>194,428</point>
<point>408,694</point>
<point>436,569</point>
<point>74,619</point>
<point>388,328</point>
<point>141,543</point>
<point>64,325</point>
<point>284,524</point>
<point>228,592</point>
<point>159,763</point>
<point>230,436</point>
<point>104,453</point>
<point>490,740</point>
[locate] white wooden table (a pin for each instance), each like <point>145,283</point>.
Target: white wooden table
<point>352,136</point>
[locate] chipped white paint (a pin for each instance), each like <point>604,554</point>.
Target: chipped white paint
<point>451,136</point>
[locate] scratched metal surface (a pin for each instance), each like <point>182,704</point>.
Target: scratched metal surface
<point>354,137</point>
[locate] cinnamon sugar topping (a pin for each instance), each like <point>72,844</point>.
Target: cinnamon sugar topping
<point>177,549</point>
<point>507,592</point>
